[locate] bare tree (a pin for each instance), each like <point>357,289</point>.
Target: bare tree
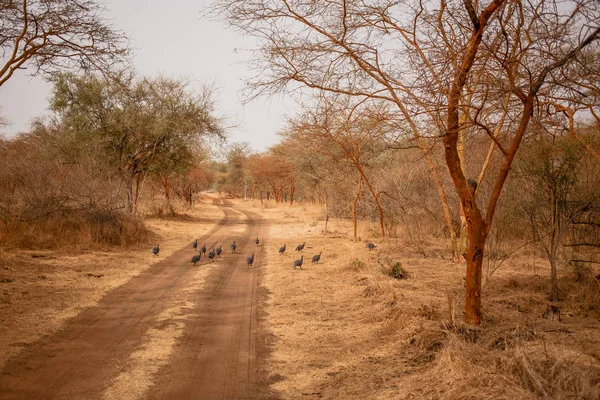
<point>338,47</point>
<point>352,129</point>
<point>53,35</point>
<point>525,73</point>
<point>473,54</point>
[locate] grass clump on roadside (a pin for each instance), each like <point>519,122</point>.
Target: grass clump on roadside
<point>392,269</point>
<point>72,229</point>
<point>356,265</point>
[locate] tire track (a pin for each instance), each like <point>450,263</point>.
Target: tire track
<point>216,358</point>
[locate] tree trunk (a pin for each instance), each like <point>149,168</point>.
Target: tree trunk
<point>475,249</point>
<point>326,209</point>
<point>292,190</point>
<point>136,195</point>
<point>354,219</point>
<point>129,192</point>
<point>554,275</point>
<point>478,228</point>
<point>460,147</point>
<point>445,208</point>
<point>375,197</point>
<point>554,237</point>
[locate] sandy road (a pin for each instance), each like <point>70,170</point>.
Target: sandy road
<point>216,347</point>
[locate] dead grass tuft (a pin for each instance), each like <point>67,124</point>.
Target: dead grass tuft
<point>467,371</point>
<point>430,339</point>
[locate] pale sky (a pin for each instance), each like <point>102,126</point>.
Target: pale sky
<point>170,39</point>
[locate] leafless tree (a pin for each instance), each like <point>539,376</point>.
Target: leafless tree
<point>56,35</point>
<point>339,128</point>
<point>452,65</point>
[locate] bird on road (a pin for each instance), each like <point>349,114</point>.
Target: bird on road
<point>196,258</point>
<point>211,255</point>
<point>195,244</point>
<point>203,249</point>
<point>316,258</point>
<point>282,250</point>
<point>156,249</point>
<point>298,263</point>
<point>250,260</point>
<point>370,246</point>
<point>257,241</point>
<point>218,250</point>
<point>300,247</point>
<point>233,246</point>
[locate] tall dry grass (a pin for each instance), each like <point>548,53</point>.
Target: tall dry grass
<point>75,229</point>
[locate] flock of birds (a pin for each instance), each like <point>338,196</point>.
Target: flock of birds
<point>216,252</point>
<point>299,248</point>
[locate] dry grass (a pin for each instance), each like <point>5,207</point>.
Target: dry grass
<point>40,290</point>
<point>75,230</point>
<point>346,329</point>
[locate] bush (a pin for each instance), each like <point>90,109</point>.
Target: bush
<point>356,264</point>
<point>393,269</point>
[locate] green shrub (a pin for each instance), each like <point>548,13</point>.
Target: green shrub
<point>393,269</point>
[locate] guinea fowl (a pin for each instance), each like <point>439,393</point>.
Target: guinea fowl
<point>282,250</point>
<point>300,247</point>
<point>257,241</point>
<point>316,258</point>
<point>218,250</point>
<point>211,255</point>
<point>298,263</point>
<point>156,249</point>
<point>250,260</point>
<point>370,246</point>
<point>196,258</point>
<point>195,244</point>
<point>203,249</point>
<point>233,246</point>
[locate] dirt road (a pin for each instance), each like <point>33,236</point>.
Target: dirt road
<point>161,335</point>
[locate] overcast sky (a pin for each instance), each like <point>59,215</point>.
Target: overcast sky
<point>170,39</point>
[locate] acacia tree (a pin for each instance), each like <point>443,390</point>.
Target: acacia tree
<point>524,73</point>
<point>146,126</point>
<point>553,168</point>
<point>236,182</point>
<point>353,130</point>
<point>271,173</point>
<point>336,47</point>
<point>55,35</point>
<point>361,49</point>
